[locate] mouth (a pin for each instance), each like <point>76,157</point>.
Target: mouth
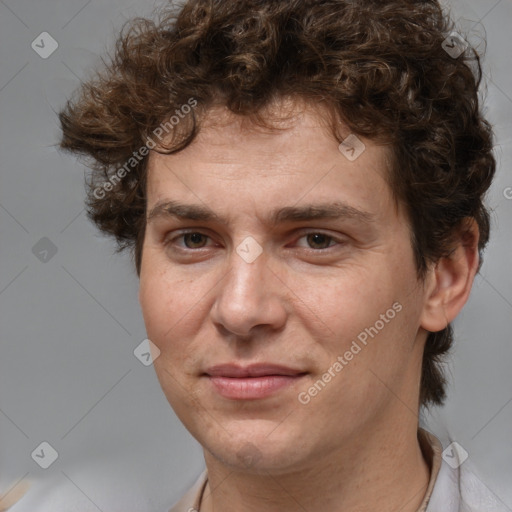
<point>251,382</point>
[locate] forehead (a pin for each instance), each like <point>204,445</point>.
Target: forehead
<point>294,158</point>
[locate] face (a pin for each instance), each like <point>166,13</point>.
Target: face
<point>278,283</point>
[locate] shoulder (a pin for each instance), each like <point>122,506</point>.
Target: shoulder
<point>476,496</point>
<point>462,489</point>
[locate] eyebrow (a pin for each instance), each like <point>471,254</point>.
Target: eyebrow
<point>304,213</point>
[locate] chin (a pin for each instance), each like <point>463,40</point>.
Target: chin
<point>256,452</point>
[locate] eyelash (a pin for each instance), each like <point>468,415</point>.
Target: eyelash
<point>330,238</point>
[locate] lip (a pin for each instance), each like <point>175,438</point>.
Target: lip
<point>254,370</point>
<point>251,382</point>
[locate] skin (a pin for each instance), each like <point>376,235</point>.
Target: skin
<point>301,303</point>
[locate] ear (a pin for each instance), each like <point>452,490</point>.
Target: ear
<point>450,280</point>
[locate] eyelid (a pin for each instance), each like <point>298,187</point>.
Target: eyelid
<point>181,233</point>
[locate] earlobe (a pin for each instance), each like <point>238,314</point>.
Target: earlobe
<point>450,281</point>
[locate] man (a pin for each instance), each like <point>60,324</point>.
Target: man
<point>302,185</point>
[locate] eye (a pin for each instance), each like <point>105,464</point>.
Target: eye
<point>195,240</point>
<point>191,240</point>
<point>319,241</point>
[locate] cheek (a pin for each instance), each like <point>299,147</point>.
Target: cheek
<point>174,308</point>
<point>168,310</point>
<point>375,306</point>
<point>354,302</point>
<point>164,303</point>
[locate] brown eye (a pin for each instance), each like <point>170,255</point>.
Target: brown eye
<point>194,240</point>
<point>318,239</point>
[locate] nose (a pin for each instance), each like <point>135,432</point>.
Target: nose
<point>250,298</point>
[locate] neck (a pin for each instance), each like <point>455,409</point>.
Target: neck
<point>375,470</point>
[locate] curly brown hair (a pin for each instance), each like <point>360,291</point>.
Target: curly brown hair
<point>380,67</point>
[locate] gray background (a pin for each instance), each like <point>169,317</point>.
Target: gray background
<point>68,375</point>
